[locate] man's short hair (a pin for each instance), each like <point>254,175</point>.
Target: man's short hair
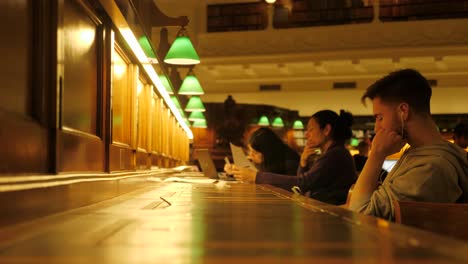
<point>405,85</point>
<point>460,130</point>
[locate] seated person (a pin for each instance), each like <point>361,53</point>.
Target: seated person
<point>329,178</point>
<point>361,157</point>
<point>270,154</point>
<point>430,170</point>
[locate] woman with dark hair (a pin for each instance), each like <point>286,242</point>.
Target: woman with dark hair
<point>270,154</point>
<point>329,178</point>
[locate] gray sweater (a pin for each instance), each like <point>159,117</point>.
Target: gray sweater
<point>436,173</point>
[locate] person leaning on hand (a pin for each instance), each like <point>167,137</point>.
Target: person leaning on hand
<point>430,170</point>
<point>330,176</point>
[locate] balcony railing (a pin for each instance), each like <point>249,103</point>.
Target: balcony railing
<point>404,10</point>
<point>309,13</point>
<point>237,17</point>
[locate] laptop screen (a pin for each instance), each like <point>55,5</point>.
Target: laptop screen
<point>206,163</point>
<point>389,164</point>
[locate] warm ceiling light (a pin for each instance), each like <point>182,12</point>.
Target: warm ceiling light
<point>278,122</point>
<point>263,121</point>
<point>191,85</point>
<point>270,1</point>
<point>194,116</point>
<point>298,125</point>
<point>182,51</point>
<point>195,104</point>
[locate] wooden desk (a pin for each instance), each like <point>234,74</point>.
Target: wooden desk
<point>220,223</point>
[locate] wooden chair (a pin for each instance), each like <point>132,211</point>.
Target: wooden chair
<point>448,219</point>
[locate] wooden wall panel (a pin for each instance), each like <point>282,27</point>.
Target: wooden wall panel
<point>16,56</point>
<point>143,160</point>
<point>23,135</point>
<point>121,158</point>
<point>24,146</point>
<point>79,153</point>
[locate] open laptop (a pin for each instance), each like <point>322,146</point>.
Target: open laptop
<point>207,165</point>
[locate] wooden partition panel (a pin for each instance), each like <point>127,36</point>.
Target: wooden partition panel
<point>80,145</point>
<point>121,158</point>
<point>24,146</point>
<point>24,86</point>
<point>143,160</point>
<point>79,152</point>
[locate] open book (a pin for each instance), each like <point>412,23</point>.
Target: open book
<point>240,160</point>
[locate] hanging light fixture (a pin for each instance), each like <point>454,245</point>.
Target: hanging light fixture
<point>195,104</point>
<point>166,84</point>
<point>191,85</point>
<point>146,46</point>
<point>200,124</point>
<point>263,121</point>
<point>176,102</point>
<point>298,125</point>
<point>194,116</point>
<point>278,122</point>
<point>182,51</point>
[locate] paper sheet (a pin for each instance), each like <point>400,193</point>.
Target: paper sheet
<point>190,180</point>
<point>240,160</point>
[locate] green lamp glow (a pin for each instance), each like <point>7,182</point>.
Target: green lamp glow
<point>195,104</point>
<point>176,102</point>
<point>194,116</point>
<point>191,86</point>
<point>146,46</point>
<point>263,121</point>
<point>200,124</point>
<point>166,84</point>
<point>298,125</point>
<point>278,122</point>
<point>182,51</point>
<point>354,142</point>
<point>182,113</point>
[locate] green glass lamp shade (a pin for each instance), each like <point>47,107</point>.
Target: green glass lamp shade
<point>182,52</point>
<point>195,104</point>
<point>194,116</point>
<point>191,86</point>
<point>354,142</point>
<point>200,124</point>
<point>298,124</point>
<point>263,121</point>
<point>166,84</point>
<point>186,121</point>
<point>146,46</point>
<point>278,122</point>
<point>176,102</point>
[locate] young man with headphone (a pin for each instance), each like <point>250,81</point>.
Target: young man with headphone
<point>431,169</point>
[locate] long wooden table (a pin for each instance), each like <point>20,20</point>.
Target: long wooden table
<point>173,222</point>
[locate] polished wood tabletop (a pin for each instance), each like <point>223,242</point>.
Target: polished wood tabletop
<point>222,222</point>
